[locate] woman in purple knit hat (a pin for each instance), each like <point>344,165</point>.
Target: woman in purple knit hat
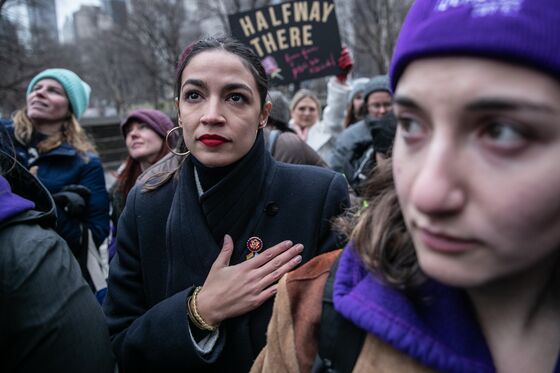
<point>453,267</point>
<point>144,132</point>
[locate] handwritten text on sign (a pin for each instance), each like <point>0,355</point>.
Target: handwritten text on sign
<point>296,40</point>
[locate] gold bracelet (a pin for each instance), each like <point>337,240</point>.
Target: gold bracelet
<point>197,320</point>
<point>191,314</point>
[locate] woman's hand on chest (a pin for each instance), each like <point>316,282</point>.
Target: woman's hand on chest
<point>231,291</point>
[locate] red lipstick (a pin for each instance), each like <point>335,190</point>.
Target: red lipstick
<point>212,140</point>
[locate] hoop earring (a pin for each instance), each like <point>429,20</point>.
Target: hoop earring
<point>169,147</point>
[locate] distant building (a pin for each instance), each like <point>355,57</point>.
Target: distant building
<point>42,22</point>
<point>67,35</point>
<point>117,10</point>
<point>88,21</point>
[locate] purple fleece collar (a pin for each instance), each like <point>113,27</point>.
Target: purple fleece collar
<point>11,204</point>
<point>440,331</point>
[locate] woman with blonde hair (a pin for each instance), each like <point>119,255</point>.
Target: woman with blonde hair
<point>51,143</point>
<point>305,110</point>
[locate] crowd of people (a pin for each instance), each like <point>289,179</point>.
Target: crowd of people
<point>407,225</point>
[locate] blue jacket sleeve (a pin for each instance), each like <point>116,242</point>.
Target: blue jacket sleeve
<point>98,218</point>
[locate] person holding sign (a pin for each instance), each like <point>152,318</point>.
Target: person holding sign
<point>306,111</point>
<point>201,246</point>
<point>453,266</point>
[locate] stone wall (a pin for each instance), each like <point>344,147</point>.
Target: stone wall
<point>106,134</point>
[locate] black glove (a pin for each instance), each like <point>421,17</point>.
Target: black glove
<point>383,133</point>
<point>73,200</point>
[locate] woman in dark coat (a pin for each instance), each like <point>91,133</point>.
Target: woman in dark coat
<point>201,246</point>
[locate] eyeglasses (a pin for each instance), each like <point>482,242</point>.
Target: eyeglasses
<point>379,105</point>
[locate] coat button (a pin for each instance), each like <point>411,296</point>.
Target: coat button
<point>271,208</point>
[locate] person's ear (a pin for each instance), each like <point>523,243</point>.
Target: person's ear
<point>178,112</point>
<point>265,112</point>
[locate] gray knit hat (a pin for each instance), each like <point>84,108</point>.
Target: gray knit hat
<point>358,86</point>
<point>280,107</point>
<point>376,84</point>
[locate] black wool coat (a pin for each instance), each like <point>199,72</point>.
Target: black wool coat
<point>167,240</point>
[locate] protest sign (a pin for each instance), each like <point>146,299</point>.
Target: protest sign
<point>295,40</point>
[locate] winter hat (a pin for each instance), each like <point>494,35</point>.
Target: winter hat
<point>280,107</point>
<point>524,32</point>
<point>376,84</point>
<point>76,89</point>
<point>158,121</point>
<point>358,85</point>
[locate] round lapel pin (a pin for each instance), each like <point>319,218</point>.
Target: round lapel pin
<point>254,245</point>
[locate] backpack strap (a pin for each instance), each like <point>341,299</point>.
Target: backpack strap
<point>340,341</point>
<point>272,140</point>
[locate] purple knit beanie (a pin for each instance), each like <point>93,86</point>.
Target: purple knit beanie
<point>158,121</point>
<point>523,32</point>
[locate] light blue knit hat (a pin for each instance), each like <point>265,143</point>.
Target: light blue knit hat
<point>76,89</point>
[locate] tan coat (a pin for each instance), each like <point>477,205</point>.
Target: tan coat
<point>294,328</point>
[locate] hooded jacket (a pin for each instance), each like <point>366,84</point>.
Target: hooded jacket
<point>45,304</point>
<point>435,330</point>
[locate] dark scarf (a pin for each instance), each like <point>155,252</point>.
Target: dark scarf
<point>196,225</point>
<point>210,176</point>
